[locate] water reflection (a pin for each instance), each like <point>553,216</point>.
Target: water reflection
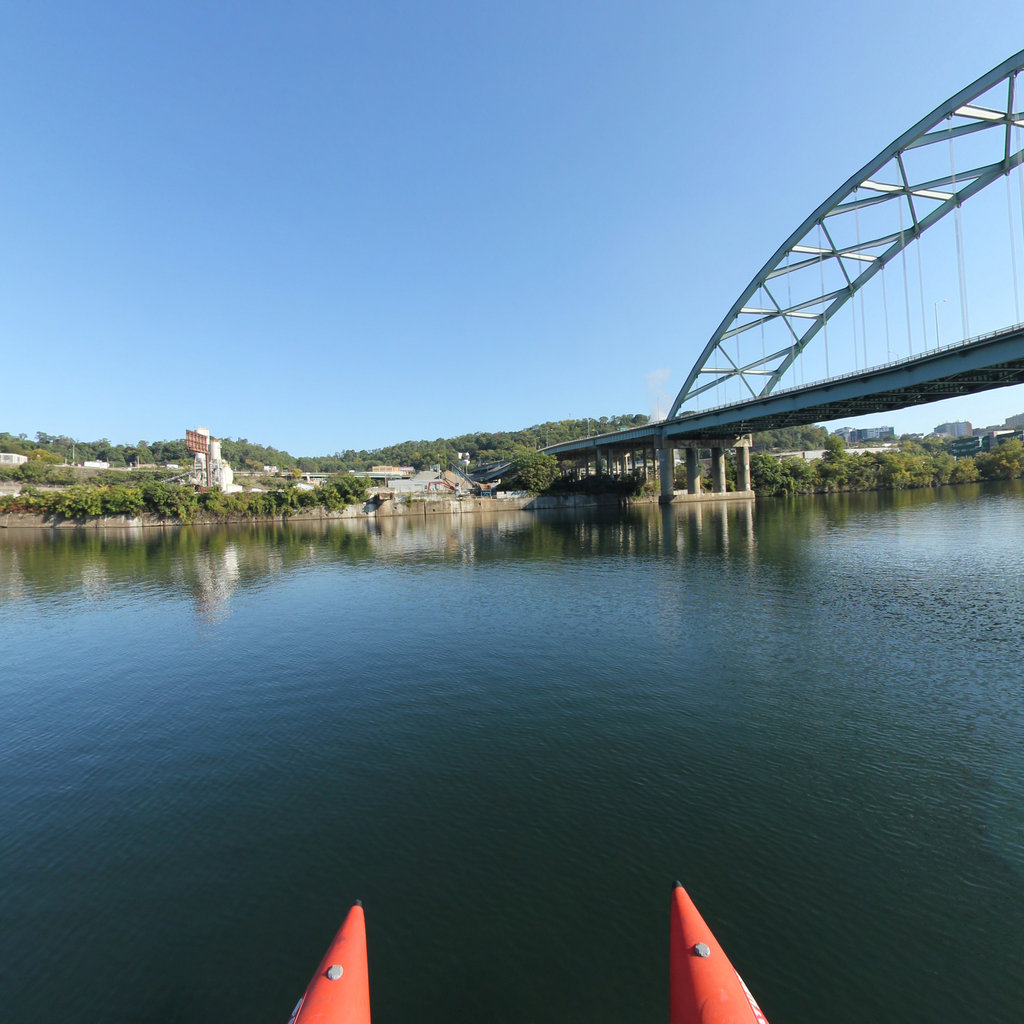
<point>216,577</point>
<point>209,565</point>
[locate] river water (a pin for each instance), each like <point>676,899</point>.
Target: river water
<point>509,735</point>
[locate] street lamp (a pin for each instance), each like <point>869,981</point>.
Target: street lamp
<point>937,304</point>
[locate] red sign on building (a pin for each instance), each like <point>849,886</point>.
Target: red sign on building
<point>196,442</point>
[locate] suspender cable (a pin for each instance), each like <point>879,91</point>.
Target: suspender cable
<point>739,376</point>
<point>863,329</point>
<point>853,318</point>
<point>1020,182</point>
<point>863,322</point>
<point>764,351</point>
<point>906,283</point>
<point>789,305</point>
<point>821,274</point>
<point>853,305</point>
<point>885,310</point>
<point>960,266</point>
<point>1013,250</point>
<point>920,288</point>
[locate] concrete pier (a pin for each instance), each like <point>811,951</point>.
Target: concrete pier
<point>666,473</point>
<point>692,471</point>
<point>718,470</point>
<point>742,449</point>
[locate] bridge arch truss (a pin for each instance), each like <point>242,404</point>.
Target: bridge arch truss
<point>960,148</point>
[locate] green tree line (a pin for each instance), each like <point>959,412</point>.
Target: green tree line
<point>913,465</point>
<point>483,447</point>
<point>183,503</point>
<point>243,454</point>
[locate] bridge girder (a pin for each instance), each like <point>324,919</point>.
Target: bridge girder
<point>818,244</point>
<point>993,361</point>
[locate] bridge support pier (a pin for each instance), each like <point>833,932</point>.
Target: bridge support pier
<point>742,449</point>
<point>666,469</point>
<point>718,470</point>
<point>692,471</point>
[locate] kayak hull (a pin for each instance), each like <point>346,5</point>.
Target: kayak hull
<point>339,992</point>
<point>704,986</point>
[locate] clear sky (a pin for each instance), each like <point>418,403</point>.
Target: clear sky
<point>330,225</point>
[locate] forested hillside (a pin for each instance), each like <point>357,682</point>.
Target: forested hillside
<point>482,447</point>
<point>243,454</point>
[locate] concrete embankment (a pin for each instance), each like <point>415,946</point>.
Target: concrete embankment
<point>372,509</point>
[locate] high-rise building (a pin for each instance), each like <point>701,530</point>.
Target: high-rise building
<point>961,428</point>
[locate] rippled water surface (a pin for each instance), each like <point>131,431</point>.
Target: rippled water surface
<point>508,736</point>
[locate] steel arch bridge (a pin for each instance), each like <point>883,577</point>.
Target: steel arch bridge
<point>898,195</point>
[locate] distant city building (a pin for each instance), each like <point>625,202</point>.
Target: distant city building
<point>1000,436</point>
<point>870,433</point>
<point>1015,422</point>
<point>12,459</point>
<point>960,428</point>
<point>963,446</point>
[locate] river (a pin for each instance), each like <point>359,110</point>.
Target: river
<point>509,735</point>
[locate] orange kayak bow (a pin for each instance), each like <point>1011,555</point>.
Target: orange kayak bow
<point>704,985</point>
<point>340,990</point>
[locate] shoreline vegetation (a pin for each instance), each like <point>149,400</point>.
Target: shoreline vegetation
<point>912,466</point>
<point>182,503</point>
<point>72,497</point>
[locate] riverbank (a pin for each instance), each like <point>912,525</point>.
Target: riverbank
<point>374,508</point>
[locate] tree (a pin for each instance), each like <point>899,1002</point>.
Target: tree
<point>943,464</point>
<point>802,475</point>
<point>767,475</point>
<point>536,471</point>
<point>833,468</point>
<point>835,449</point>
<point>964,472</point>
<point>1005,462</point>
<point>803,438</point>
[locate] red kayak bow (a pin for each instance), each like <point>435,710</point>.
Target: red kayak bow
<point>340,990</point>
<point>704,986</point>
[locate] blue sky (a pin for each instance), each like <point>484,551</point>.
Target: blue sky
<point>341,225</point>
